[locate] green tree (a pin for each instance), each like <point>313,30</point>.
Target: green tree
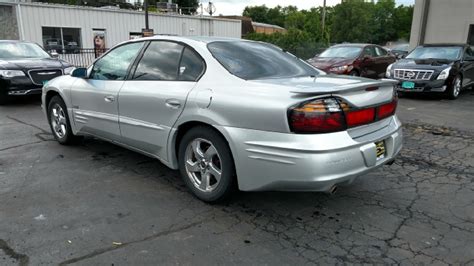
<point>403,17</point>
<point>257,13</point>
<point>352,22</point>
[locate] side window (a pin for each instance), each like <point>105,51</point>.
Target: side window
<point>380,51</point>
<point>159,62</point>
<point>469,54</point>
<point>191,66</point>
<point>369,51</point>
<point>114,65</point>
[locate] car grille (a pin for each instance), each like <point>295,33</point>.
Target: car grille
<point>40,76</point>
<point>413,74</point>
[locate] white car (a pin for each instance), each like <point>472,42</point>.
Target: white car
<point>229,113</point>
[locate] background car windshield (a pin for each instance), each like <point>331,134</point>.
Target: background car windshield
<point>343,52</point>
<point>449,53</point>
<point>11,50</point>
<point>252,60</point>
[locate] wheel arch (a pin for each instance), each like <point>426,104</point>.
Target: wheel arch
<point>178,132</point>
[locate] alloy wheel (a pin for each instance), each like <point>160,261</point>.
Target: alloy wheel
<point>58,121</point>
<point>457,87</point>
<point>203,165</point>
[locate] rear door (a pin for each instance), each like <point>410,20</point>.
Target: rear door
<point>369,66</point>
<point>94,100</point>
<point>468,67</point>
<point>383,60</point>
<point>152,99</point>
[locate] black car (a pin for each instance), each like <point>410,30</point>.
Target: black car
<point>442,68</point>
<point>25,67</point>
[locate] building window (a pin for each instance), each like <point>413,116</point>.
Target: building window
<point>62,40</point>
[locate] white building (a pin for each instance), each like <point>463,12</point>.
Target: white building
<point>53,25</point>
<point>442,21</point>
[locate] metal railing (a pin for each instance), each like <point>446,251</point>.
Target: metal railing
<point>78,57</point>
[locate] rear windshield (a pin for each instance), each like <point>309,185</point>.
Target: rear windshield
<point>253,60</point>
<point>442,52</point>
<point>342,52</point>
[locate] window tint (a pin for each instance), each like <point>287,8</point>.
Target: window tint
<point>380,51</point>
<point>253,60</point>
<point>369,51</point>
<point>191,66</point>
<point>114,65</point>
<point>159,62</point>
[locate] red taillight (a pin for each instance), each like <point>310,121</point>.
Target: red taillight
<point>318,116</point>
<point>360,117</point>
<point>387,110</point>
<point>331,115</point>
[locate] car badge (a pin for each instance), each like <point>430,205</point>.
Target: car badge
<point>410,74</point>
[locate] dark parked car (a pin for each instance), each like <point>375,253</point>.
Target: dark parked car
<point>25,67</point>
<point>399,50</point>
<point>366,60</point>
<point>442,68</point>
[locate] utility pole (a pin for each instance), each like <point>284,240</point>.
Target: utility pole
<point>145,6</point>
<point>324,16</point>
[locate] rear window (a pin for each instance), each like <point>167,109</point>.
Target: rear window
<point>253,60</point>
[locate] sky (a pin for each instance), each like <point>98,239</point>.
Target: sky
<point>235,7</point>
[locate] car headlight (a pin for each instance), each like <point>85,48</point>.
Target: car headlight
<point>444,74</point>
<point>11,73</point>
<point>339,68</point>
<point>68,70</point>
<point>388,73</point>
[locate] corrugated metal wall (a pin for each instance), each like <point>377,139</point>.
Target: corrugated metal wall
<point>117,23</point>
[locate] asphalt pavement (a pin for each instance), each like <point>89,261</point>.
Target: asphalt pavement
<point>98,204</point>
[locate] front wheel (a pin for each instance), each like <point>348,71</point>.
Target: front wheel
<point>354,73</point>
<point>206,164</point>
<point>455,88</point>
<point>4,98</point>
<point>59,121</point>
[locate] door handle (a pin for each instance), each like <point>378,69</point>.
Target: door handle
<point>173,103</point>
<point>109,98</point>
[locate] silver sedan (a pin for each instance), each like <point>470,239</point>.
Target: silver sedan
<point>229,113</point>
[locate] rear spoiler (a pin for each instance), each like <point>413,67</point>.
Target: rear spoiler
<point>345,88</point>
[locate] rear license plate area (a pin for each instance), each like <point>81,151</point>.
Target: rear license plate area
<point>380,149</point>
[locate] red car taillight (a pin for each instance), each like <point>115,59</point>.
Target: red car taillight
<point>387,110</point>
<point>331,115</point>
<point>317,116</point>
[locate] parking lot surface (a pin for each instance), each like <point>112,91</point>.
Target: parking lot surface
<point>96,203</point>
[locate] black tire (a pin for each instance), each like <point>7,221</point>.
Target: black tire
<point>4,98</point>
<point>354,73</point>
<point>68,137</point>
<point>227,184</point>
<point>452,93</point>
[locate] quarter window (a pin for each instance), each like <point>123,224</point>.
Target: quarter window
<point>114,65</point>
<point>191,66</point>
<point>159,62</point>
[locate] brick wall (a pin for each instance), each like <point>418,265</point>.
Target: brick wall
<point>8,23</point>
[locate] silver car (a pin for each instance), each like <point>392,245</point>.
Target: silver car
<point>229,113</point>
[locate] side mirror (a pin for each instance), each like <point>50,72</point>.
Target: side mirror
<point>80,72</point>
<point>54,54</point>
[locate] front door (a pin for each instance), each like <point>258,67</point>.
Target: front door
<point>368,65</point>
<point>151,101</point>
<point>94,99</point>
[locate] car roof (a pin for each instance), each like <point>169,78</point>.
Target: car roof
<point>353,44</point>
<point>14,41</point>
<point>443,44</point>
<point>204,39</point>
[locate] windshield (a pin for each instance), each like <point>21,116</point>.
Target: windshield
<point>15,50</point>
<point>448,53</point>
<point>253,60</point>
<point>342,52</point>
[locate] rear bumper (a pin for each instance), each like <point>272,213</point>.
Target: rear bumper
<point>424,86</point>
<point>297,162</point>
